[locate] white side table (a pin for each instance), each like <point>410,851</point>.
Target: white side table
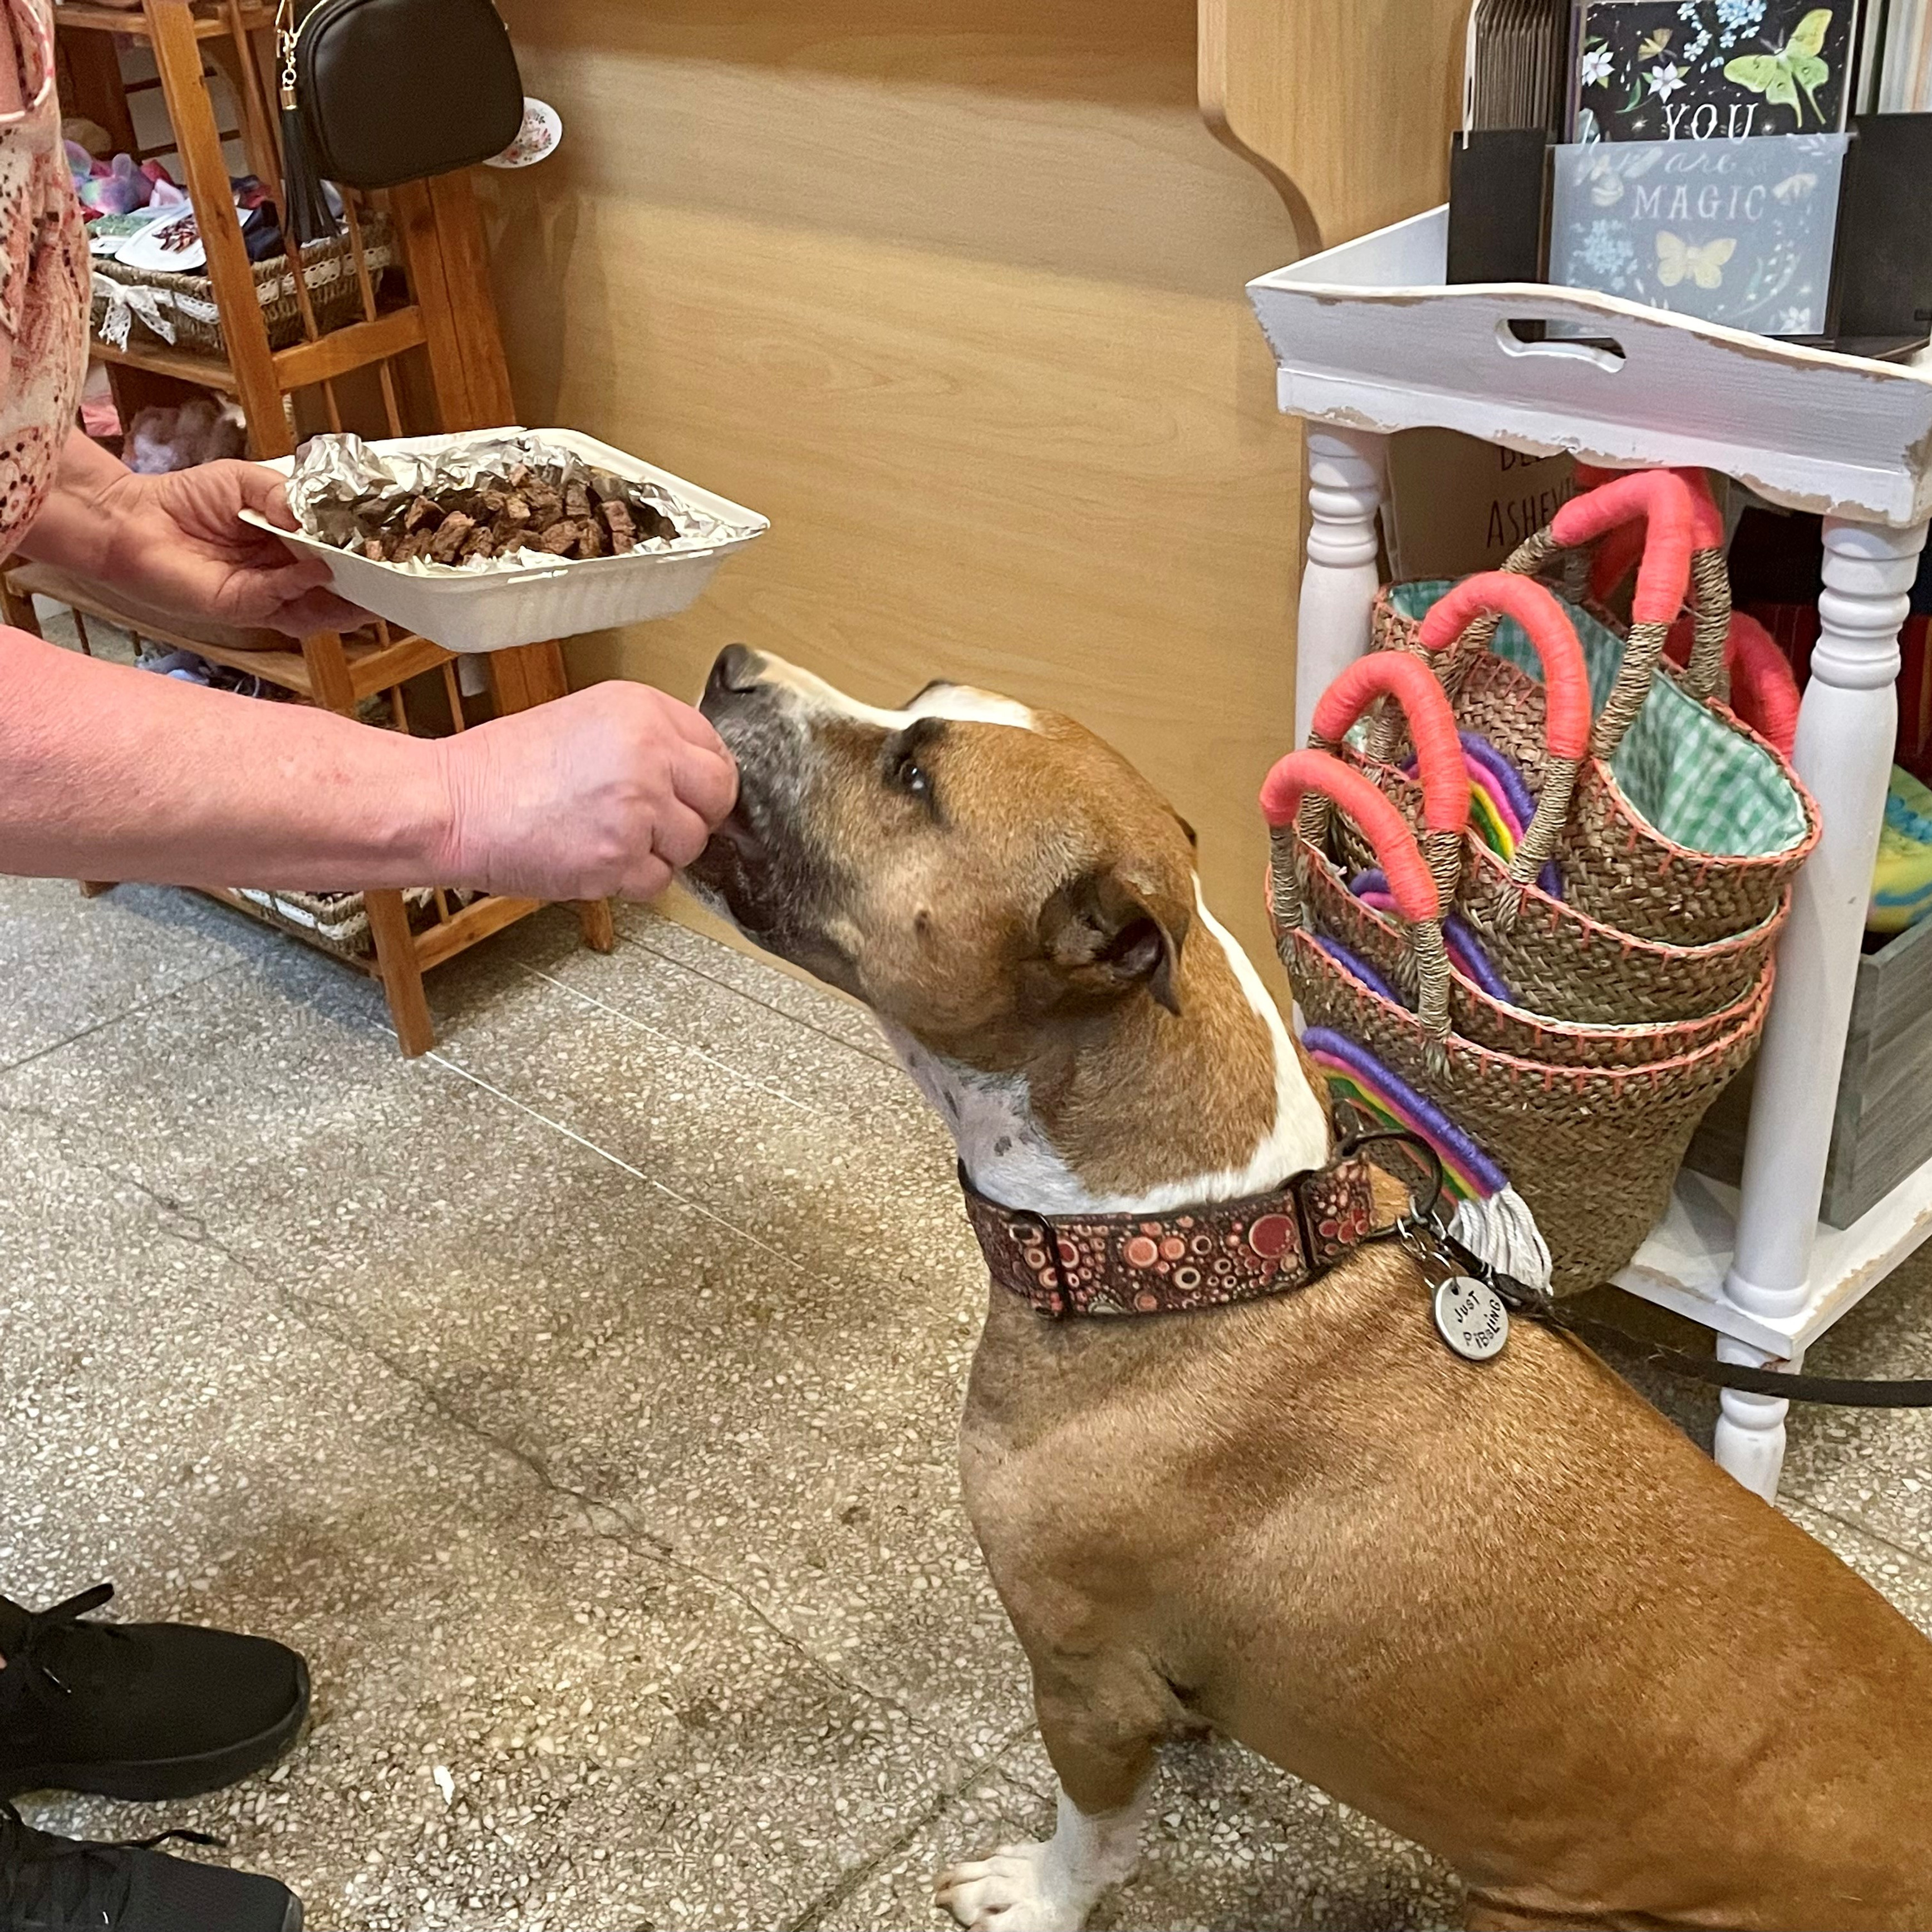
<point>1369,340</point>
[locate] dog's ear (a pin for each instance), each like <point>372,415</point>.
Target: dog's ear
<point>1102,931</point>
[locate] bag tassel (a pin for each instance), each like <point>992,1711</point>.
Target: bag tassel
<point>1501,1230</point>
<point>305,211</point>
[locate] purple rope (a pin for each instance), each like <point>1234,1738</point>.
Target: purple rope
<point>1476,746</point>
<point>1478,749</point>
<point>1469,956</point>
<point>1373,888</point>
<point>1348,963</point>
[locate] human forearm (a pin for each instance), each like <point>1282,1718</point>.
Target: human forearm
<point>107,772</point>
<point>110,773</point>
<point>72,529</point>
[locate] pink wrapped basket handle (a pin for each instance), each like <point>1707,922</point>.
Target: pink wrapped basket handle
<point>1624,547</point>
<point>1566,676</point>
<point>1665,502</point>
<point>1432,728</point>
<point>1301,772</point>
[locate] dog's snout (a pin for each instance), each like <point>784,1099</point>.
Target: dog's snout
<point>734,674</point>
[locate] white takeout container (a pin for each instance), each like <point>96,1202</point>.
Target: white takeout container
<point>495,610</point>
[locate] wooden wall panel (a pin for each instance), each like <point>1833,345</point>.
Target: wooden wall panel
<point>951,290</point>
<point>1346,105</point>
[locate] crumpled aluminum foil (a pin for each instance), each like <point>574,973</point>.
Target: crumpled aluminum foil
<point>332,473</point>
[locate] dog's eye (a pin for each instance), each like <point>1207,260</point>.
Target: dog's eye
<point>904,766</point>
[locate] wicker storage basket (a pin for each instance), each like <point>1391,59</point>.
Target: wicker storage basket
<point>338,923</point>
<point>1592,1150</point>
<point>179,311</point>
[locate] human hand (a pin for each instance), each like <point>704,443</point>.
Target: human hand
<point>606,792</point>
<point>177,541</point>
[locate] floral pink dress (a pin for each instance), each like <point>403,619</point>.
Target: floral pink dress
<point>44,277</point>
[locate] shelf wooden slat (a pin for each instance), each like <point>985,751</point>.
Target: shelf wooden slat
<point>133,20</point>
<point>337,353</point>
<point>353,347</point>
<point>209,371</point>
<point>477,920</point>
<point>373,667</point>
<point>433,943</point>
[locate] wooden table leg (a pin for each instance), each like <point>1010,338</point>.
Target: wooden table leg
<point>599,927</point>
<point>1340,579</point>
<point>1845,729</point>
<point>402,976</point>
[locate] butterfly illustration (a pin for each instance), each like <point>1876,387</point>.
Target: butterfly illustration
<point>1797,67</point>
<point>1703,261</point>
<point>1795,187</point>
<point>1654,44</point>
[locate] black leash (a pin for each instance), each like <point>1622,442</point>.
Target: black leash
<point>1538,1305</point>
<point>1837,1391</point>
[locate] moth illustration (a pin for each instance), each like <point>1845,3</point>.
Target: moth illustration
<point>1797,67</point>
<point>1795,187</point>
<point>1703,262</point>
<point>1654,44</point>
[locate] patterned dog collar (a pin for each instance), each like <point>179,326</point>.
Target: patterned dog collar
<point>1201,1257</point>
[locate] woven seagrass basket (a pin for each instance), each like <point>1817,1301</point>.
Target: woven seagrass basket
<point>1593,1150</point>
<point>1359,913</point>
<point>1545,955</point>
<point>1680,825</point>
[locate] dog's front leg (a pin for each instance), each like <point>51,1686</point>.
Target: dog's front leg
<point>1099,1726</point>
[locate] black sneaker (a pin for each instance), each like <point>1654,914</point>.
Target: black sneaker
<point>65,1884</point>
<point>141,1710</point>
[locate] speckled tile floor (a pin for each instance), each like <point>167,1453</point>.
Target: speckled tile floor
<point>580,1400</point>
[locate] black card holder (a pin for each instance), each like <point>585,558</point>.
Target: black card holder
<point>1498,219</point>
<point>1884,260</point>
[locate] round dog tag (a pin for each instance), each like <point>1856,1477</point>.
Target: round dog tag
<point>1470,1316</point>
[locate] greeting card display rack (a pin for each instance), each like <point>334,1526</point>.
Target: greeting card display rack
<point>429,358</point>
<point>1369,338</point>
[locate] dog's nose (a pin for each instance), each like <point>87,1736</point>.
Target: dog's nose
<point>734,673</point>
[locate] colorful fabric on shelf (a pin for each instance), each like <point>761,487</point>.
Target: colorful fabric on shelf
<point>1901,893</point>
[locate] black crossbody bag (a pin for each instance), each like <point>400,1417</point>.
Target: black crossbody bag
<point>390,91</point>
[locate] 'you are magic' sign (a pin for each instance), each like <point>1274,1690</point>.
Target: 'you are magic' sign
<point>1739,232</point>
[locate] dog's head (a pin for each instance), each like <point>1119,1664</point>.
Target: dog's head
<point>973,870</point>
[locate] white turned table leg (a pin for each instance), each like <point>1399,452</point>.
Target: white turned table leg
<point>1845,729</point>
<point>1338,580</point>
<point>1749,1440</point>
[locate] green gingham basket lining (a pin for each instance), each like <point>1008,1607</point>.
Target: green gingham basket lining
<point>1701,784</point>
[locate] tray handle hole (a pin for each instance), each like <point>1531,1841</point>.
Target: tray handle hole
<point>1524,335</point>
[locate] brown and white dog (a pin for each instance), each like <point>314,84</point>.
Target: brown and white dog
<point>1508,1610</point>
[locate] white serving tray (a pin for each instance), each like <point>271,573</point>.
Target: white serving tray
<point>1369,336</point>
<point>496,609</point>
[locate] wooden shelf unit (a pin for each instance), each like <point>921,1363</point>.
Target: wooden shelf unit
<point>437,361</point>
